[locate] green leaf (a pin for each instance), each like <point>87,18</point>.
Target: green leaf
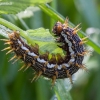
<point>15,6</point>
<point>61,91</point>
<point>44,39</point>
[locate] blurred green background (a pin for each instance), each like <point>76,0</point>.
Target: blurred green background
<point>16,85</point>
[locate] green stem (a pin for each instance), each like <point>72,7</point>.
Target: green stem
<point>54,6</point>
<point>23,23</point>
<point>14,28</point>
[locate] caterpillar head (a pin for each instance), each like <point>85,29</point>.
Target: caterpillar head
<point>58,27</point>
<point>14,35</point>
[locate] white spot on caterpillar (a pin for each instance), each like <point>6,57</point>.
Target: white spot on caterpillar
<point>32,54</point>
<point>72,53</point>
<point>50,65</point>
<point>65,36</point>
<point>24,48</point>
<point>67,65</point>
<point>70,49</point>
<point>69,44</point>
<point>60,66</point>
<point>41,60</point>
<point>72,60</point>
<point>67,41</point>
<point>19,41</point>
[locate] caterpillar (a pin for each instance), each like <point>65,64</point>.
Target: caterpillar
<point>56,67</point>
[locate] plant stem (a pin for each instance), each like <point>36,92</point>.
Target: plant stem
<point>14,28</point>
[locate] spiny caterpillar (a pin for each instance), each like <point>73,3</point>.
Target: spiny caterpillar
<point>57,67</point>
